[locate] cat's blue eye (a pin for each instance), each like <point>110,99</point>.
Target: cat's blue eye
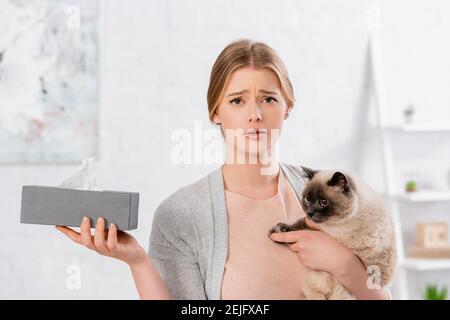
<point>236,101</point>
<point>323,202</point>
<point>306,199</point>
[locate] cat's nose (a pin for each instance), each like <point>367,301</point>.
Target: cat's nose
<point>310,213</point>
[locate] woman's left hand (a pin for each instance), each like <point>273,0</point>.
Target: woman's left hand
<point>318,250</point>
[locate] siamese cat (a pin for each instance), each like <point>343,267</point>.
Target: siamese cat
<point>352,213</point>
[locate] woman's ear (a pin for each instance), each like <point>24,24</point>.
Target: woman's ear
<point>286,114</point>
<point>216,119</point>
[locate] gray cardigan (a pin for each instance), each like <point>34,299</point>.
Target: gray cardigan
<point>189,238</point>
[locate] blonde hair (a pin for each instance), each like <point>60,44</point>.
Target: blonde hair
<point>245,53</point>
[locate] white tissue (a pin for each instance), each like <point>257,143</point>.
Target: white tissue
<point>83,178</point>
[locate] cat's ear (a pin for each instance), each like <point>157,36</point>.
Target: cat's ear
<point>308,173</point>
<point>341,180</point>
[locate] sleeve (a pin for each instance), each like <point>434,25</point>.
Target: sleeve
<point>174,258</point>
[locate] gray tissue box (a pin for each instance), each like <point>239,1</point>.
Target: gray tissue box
<point>66,207</point>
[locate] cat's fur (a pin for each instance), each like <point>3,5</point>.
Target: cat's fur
<point>355,216</point>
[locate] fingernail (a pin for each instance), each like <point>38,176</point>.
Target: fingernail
<point>99,219</point>
<point>85,219</point>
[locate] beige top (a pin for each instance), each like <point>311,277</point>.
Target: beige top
<point>256,267</point>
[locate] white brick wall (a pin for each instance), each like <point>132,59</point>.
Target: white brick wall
<point>155,62</point>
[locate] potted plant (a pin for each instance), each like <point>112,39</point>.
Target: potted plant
<point>411,185</point>
<point>409,113</point>
<point>433,293</point>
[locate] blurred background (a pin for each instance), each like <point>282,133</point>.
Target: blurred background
<point>116,80</point>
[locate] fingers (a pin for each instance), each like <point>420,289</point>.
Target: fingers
<point>290,236</point>
<point>96,242</point>
<point>86,237</point>
<point>296,247</point>
<point>72,234</point>
<point>99,237</point>
<point>112,237</point>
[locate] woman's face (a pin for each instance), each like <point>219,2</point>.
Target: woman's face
<point>252,111</point>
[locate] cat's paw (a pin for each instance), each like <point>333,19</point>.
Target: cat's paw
<point>280,227</point>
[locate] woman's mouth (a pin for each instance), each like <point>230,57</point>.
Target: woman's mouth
<point>255,134</point>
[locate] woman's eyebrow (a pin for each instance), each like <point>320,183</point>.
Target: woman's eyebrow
<point>245,91</point>
<point>237,93</point>
<point>268,92</point>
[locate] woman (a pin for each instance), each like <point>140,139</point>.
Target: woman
<point>209,239</point>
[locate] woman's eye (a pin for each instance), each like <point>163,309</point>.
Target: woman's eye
<point>324,202</point>
<point>236,101</point>
<point>269,100</point>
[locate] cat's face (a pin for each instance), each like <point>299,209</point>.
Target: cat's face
<point>328,196</point>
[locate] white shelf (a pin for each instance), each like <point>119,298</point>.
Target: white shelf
<point>426,264</point>
<point>421,127</point>
<point>386,131</point>
<point>424,196</point>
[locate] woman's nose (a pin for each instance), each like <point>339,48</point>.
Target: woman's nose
<point>255,115</point>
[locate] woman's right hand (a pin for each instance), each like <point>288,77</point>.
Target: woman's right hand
<point>112,242</point>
